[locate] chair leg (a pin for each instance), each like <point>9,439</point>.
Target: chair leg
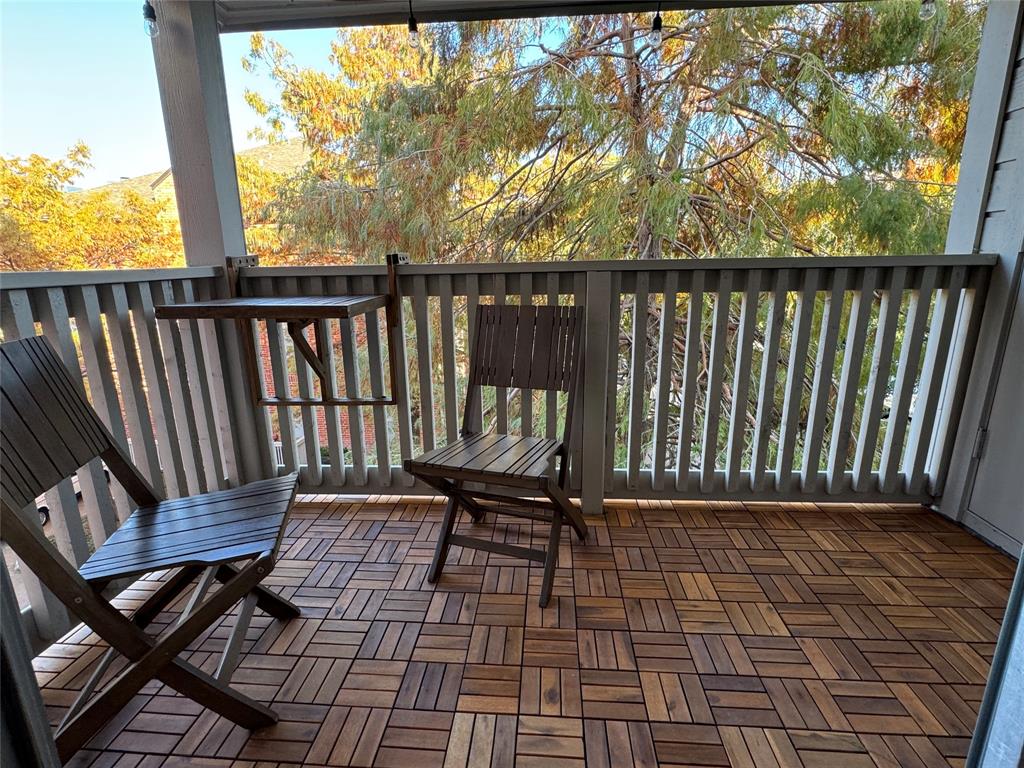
<point>441,550</point>
<point>551,561</point>
<point>572,515</point>
<point>160,661</point>
<point>267,600</point>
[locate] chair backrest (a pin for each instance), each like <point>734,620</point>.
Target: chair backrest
<point>527,347</point>
<point>48,430</point>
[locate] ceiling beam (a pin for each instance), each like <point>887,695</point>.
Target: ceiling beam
<point>270,15</point>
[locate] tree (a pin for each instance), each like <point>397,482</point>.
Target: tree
<point>43,227</point>
<point>758,131</point>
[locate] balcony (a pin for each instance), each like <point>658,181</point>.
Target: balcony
<point>697,633</point>
<point>779,460</point>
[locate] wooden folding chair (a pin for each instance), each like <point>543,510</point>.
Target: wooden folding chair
<point>47,431</point>
<point>530,348</point>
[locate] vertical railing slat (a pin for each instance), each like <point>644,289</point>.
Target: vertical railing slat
<point>85,307</point>
<point>424,362</point>
<point>666,345</point>
<point>878,378</point>
<point>637,380</point>
<point>472,305</point>
<point>551,398</point>
<point>312,473</point>
<point>202,383</point>
<point>140,300</point>
<point>691,360</point>
<point>906,376</point>
<point>769,373</point>
<point>403,420</point>
<point>716,376</point>
<point>277,350</point>
<point>350,362</point>
<point>611,407</point>
<point>933,376</point>
<point>375,365</point>
<point>824,365</point>
<point>741,380</point>
<point>525,394</point>
<point>447,322</point>
<point>332,417</point>
<point>174,363</point>
<point>849,380</point>
<point>579,294</point>
<point>213,348</point>
<point>500,393</point>
<point>114,300</point>
<point>966,333</point>
<point>795,378</point>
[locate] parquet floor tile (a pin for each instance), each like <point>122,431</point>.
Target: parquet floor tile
<point>752,636</point>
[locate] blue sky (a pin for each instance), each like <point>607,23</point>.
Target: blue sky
<point>73,71</point>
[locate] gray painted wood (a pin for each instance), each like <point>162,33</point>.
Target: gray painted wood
<point>666,340</point>
<point>691,360</point>
<point>716,376</point>
<point>595,390</point>
<point>637,379</point>
<point>849,379</point>
<point>824,365</point>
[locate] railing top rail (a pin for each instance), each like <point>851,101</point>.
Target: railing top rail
<point>632,265</point>
<point>11,281</point>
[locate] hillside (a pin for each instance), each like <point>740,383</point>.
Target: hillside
<point>279,157</point>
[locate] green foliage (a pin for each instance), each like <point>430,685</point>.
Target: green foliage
<point>759,131</point>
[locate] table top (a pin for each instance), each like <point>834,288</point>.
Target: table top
<point>283,308</point>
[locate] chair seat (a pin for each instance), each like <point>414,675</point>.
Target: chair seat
<point>490,454</point>
<point>211,528</point>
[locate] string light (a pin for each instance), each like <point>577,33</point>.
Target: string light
<point>149,19</point>
<point>656,33</point>
<point>414,33</point>
<point>927,10</point>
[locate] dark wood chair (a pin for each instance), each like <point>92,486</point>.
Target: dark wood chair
<point>531,348</point>
<point>47,431</point>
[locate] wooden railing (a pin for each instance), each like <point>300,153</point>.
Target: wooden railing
<point>748,379</point>
<point>768,379</point>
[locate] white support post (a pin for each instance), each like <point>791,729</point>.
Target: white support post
<point>190,74</point>
<point>595,390</point>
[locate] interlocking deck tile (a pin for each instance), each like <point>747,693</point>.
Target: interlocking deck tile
<point>754,636</point>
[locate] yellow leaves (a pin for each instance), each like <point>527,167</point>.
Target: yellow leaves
<point>43,227</point>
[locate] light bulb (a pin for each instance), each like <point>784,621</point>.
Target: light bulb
<point>927,10</point>
<point>414,39</point>
<point>149,20</point>
<point>656,35</point>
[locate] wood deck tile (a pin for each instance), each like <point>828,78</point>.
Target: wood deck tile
<point>753,636</point>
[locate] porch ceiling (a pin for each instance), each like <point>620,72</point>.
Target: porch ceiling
<point>252,15</point>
